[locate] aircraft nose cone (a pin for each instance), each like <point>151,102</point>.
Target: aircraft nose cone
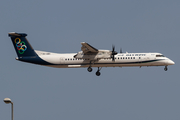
<point>170,62</point>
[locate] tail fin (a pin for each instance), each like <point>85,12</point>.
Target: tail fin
<point>21,45</point>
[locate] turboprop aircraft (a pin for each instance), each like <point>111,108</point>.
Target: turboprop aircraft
<point>87,58</point>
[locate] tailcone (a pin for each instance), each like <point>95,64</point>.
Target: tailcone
<point>34,60</point>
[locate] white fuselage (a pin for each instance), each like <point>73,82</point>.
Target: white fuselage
<point>121,60</point>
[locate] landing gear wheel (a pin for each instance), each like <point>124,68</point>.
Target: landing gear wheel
<point>98,73</point>
<point>89,69</point>
<point>165,68</point>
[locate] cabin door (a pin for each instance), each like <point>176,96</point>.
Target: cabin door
<point>62,61</point>
<point>140,59</point>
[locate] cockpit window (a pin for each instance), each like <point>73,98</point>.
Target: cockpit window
<point>160,56</point>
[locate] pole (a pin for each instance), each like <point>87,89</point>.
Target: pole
<point>12,111</point>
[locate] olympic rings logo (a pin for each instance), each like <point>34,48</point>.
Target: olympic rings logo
<point>21,46</point>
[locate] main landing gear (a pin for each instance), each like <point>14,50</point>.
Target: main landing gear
<point>89,69</point>
<point>98,71</point>
<point>165,68</point>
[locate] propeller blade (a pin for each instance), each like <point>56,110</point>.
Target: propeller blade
<point>121,50</point>
<point>113,58</point>
<point>113,48</point>
<point>113,53</point>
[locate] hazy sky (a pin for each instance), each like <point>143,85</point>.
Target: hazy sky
<point>43,93</point>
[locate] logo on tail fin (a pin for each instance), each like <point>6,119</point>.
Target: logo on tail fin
<point>21,46</point>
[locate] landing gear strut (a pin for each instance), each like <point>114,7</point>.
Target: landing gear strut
<point>98,71</point>
<point>90,68</point>
<point>165,68</point>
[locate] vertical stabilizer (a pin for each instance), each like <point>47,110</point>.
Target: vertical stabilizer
<point>21,45</point>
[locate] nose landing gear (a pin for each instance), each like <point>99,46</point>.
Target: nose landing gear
<point>165,68</point>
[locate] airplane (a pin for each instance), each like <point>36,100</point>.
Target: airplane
<point>88,57</point>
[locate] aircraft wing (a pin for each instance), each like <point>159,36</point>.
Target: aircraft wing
<point>86,48</point>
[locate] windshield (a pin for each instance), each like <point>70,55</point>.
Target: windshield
<point>160,56</point>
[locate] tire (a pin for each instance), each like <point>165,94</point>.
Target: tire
<point>89,69</point>
<point>98,73</point>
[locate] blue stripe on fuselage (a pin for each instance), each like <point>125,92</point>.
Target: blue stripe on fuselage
<point>34,60</point>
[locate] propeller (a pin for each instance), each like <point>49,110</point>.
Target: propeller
<point>113,53</point>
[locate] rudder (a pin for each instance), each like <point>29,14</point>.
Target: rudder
<point>21,45</point>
